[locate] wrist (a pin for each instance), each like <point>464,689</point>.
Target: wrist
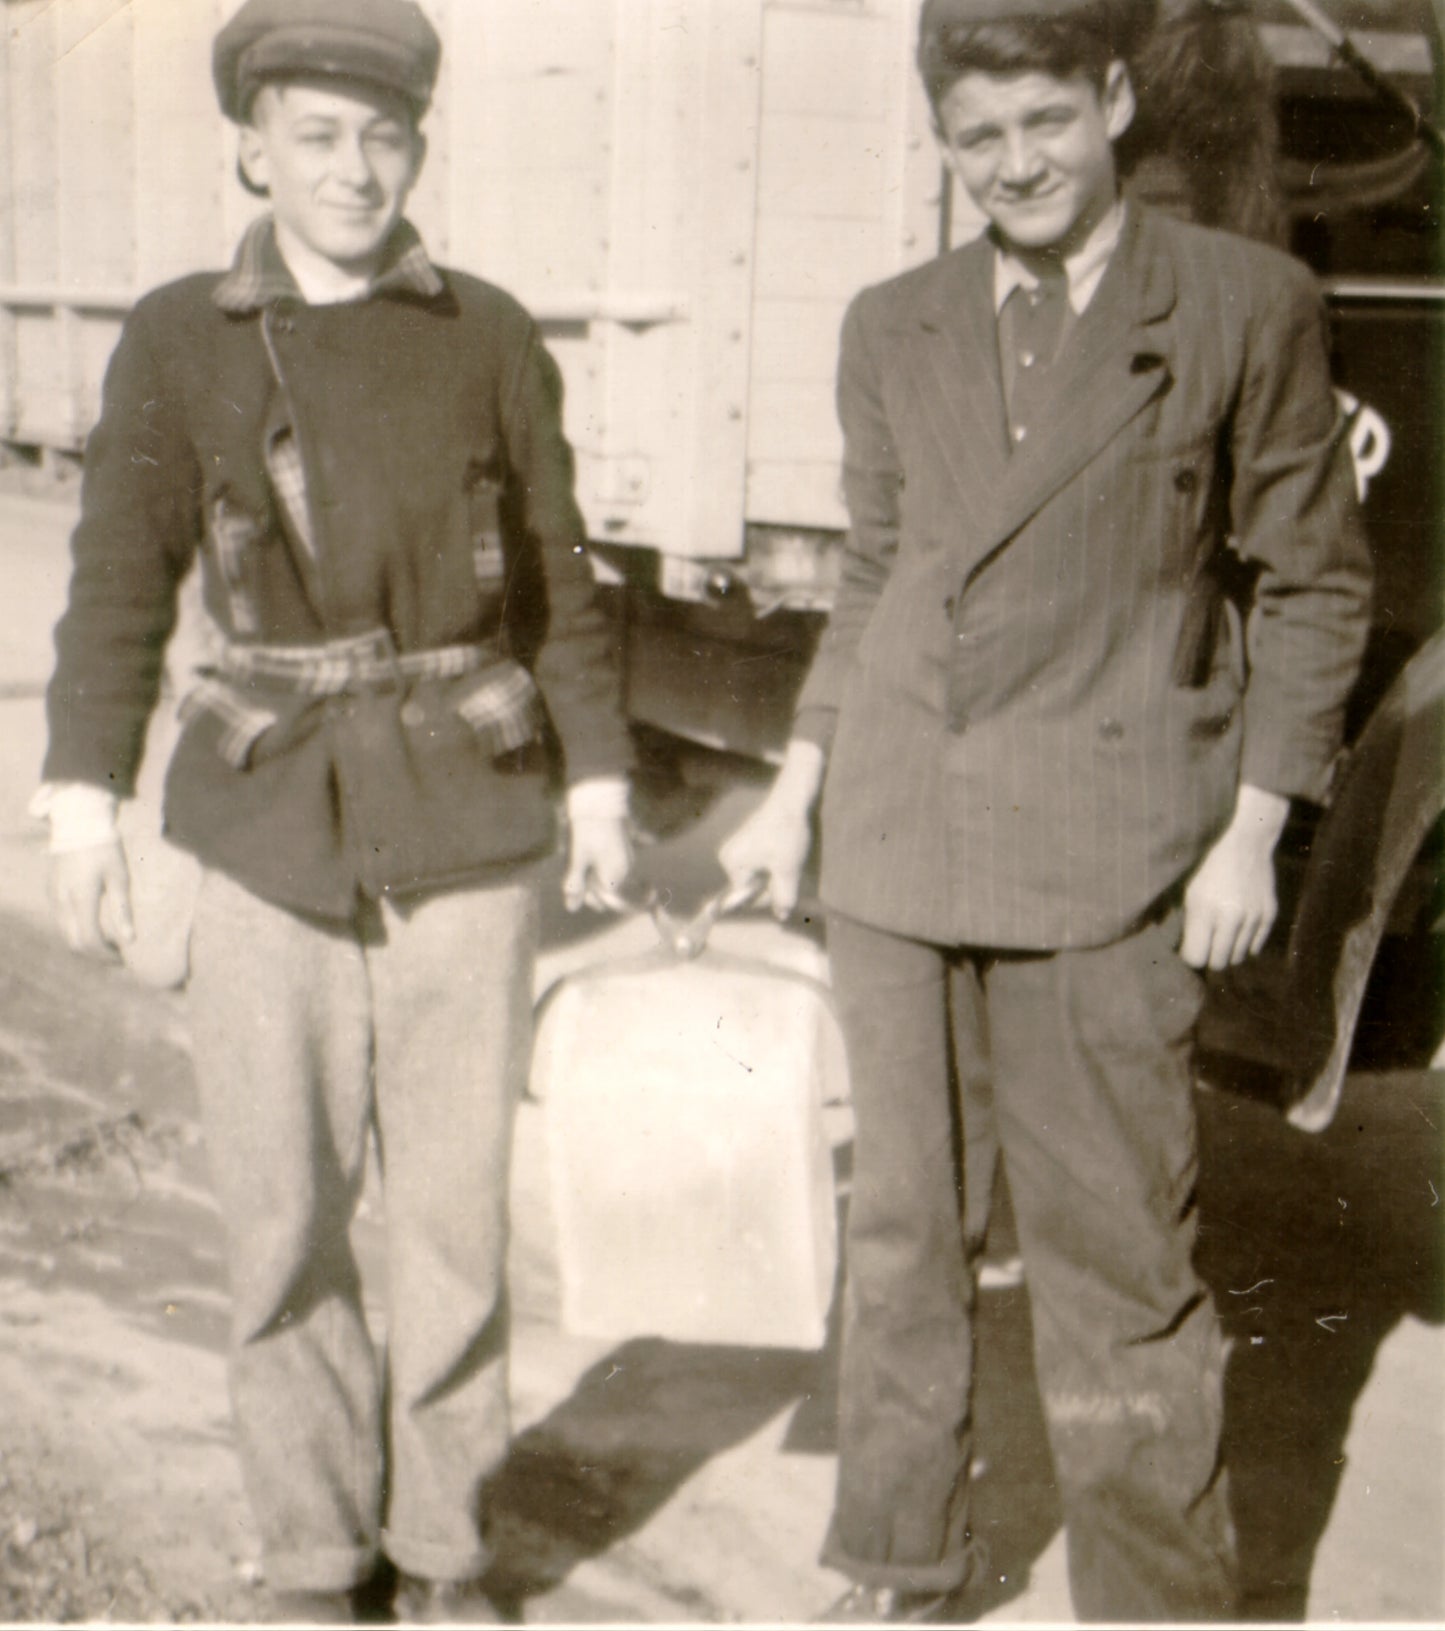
<point>81,816</point>
<point>799,781</point>
<point>598,798</point>
<point>1259,816</point>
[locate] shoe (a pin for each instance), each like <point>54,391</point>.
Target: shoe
<point>447,1602</point>
<point>312,1608</point>
<point>888,1605</point>
<point>893,1605</point>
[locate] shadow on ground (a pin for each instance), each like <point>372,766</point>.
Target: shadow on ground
<point>650,1414</point>
<point>1316,1246</point>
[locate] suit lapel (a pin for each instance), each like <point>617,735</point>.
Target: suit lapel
<point>955,364</point>
<point>1115,363</point>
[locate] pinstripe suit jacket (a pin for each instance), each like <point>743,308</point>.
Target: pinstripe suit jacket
<point>1039,695</point>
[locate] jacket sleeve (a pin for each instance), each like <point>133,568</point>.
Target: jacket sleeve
<point>137,535</point>
<point>1294,514</point>
<point>577,662</point>
<point>872,484</point>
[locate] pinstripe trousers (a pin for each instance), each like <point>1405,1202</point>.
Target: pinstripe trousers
<point>411,1022</point>
<point>1089,1053</point>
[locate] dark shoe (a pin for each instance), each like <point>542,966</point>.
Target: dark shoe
<point>312,1608</point>
<point>447,1602</point>
<point>892,1605</point>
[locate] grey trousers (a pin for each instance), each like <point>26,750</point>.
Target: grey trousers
<point>412,1021</point>
<point>1089,1056</point>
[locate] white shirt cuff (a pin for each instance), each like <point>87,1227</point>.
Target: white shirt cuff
<point>80,815</point>
<point>598,798</point>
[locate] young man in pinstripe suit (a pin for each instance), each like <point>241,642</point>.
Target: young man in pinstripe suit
<point>1059,752</point>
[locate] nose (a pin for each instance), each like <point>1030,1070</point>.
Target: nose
<point>352,164</point>
<point>1019,167</point>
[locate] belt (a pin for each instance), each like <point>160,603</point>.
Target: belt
<point>361,662</point>
<point>503,706</point>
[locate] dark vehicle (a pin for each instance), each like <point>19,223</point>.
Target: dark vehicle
<point>1362,190</point>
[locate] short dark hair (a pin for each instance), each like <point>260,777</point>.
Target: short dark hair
<point>1079,40</point>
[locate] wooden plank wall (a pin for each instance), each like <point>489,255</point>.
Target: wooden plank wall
<point>849,194</point>
<point>689,191</point>
<point>116,166</point>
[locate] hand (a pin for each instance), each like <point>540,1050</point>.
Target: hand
<point>599,859</point>
<point>764,858</point>
<point>90,892</point>
<point>1230,904</point>
<point>770,848</point>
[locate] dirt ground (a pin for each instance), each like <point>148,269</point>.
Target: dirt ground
<point>656,1482</point>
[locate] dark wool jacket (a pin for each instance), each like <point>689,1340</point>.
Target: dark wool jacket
<point>439,493</point>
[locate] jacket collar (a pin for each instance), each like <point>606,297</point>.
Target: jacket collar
<point>1083,270</point>
<point>1119,357</point>
<point>259,275</point>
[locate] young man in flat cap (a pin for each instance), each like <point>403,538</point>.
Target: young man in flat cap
<point>1057,767</point>
<point>365,451</point>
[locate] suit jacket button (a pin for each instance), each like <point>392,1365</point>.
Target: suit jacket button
<point>1110,729</point>
<point>1185,481</point>
<point>412,713</point>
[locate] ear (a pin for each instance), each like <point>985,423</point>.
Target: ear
<point>418,154</point>
<point>1118,100</point>
<point>251,161</point>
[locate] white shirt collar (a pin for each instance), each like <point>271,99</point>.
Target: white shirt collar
<point>1083,270</point>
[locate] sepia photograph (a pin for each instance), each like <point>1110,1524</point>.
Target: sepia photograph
<point>722,756</point>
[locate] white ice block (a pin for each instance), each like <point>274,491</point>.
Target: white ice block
<point>692,1175</point>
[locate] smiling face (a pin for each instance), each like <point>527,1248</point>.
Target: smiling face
<point>1035,152</point>
<point>339,161</point>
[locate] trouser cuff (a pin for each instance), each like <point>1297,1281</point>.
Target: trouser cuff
<point>948,1574</point>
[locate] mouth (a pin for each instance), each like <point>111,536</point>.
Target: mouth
<point>1028,201</point>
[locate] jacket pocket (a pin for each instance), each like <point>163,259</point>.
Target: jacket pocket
<point>503,707</point>
<point>234,535</point>
<point>484,527</point>
<point>240,724</point>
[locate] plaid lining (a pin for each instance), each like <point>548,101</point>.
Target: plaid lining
<point>288,478</point>
<point>259,275</point>
<point>362,662</point>
<point>504,707</point>
<point>243,724</point>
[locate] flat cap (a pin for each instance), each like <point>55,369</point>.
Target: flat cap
<point>381,42</point>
